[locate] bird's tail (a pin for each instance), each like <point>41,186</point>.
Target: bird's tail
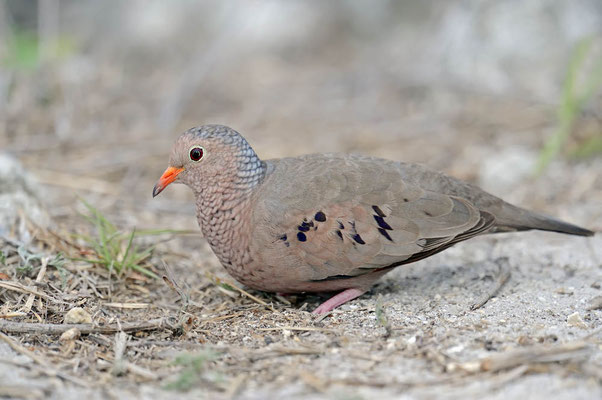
<point>518,219</point>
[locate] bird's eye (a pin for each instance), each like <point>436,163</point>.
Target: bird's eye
<point>196,153</point>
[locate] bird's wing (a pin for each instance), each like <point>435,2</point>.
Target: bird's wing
<point>343,216</point>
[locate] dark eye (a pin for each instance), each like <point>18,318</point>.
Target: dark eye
<point>196,153</point>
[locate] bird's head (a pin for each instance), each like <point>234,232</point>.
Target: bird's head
<point>211,156</point>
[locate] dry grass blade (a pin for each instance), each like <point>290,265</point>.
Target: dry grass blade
<point>32,296</point>
<point>171,281</point>
<point>20,288</point>
<point>13,314</point>
<point>131,306</point>
<point>233,287</point>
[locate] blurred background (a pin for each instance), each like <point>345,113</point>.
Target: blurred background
<point>502,93</point>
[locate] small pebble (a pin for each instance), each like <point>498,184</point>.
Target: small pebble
<point>595,303</point>
<point>70,334</point>
<point>575,320</point>
<point>78,315</point>
<point>568,291</point>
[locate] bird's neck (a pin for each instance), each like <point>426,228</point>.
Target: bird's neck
<point>224,215</point>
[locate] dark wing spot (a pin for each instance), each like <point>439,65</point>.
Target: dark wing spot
<point>320,216</point>
<point>303,227</point>
<point>301,236</point>
<point>381,222</point>
<point>341,226</point>
<point>340,235</point>
<point>385,233</point>
<point>358,238</point>
<point>284,239</point>
<point>378,211</point>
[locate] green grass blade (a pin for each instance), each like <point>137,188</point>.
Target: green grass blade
<point>572,101</point>
<point>129,246</point>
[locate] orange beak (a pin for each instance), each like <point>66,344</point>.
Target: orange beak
<point>168,177</point>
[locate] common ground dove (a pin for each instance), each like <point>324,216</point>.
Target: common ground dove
<point>329,222</point>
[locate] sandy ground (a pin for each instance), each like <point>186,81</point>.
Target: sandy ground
<point>431,333</point>
<point>413,336</point>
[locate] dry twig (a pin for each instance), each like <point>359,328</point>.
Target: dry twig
<point>516,358</point>
<point>57,329</point>
<point>501,279</point>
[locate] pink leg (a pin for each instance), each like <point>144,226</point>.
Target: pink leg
<point>338,299</point>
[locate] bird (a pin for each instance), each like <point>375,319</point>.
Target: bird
<point>329,222</point>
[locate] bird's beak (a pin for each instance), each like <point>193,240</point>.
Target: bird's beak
<point>168,177</point>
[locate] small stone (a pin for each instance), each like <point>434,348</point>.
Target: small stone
<point>456,349</point>
<point>568,291</point>
<point>78,315</point>
<point>70,334</point>
<point>575,320</point>
<point>595,303</point>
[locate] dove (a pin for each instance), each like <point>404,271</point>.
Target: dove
<point>329,222</point>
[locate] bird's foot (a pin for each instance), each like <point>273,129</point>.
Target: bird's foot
<point>338,299</point>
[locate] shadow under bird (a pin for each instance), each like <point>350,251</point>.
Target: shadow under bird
<point>329,222</point>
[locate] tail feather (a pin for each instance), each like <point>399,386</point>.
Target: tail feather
<point>524,220</point>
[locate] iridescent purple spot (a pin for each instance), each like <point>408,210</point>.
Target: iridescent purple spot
<point>358,238</point>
